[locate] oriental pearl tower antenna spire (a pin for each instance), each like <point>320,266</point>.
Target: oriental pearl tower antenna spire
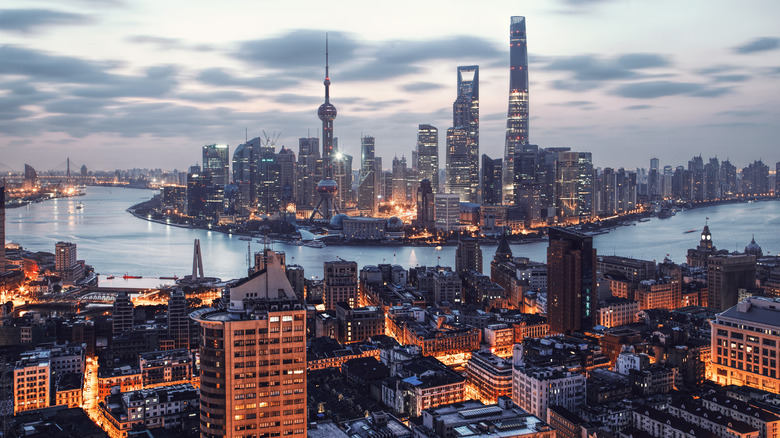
<point>327,187</point>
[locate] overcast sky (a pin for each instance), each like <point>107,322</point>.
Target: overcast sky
<point>142,83</point>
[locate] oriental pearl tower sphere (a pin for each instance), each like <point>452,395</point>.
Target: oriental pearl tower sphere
<point>327,187</point>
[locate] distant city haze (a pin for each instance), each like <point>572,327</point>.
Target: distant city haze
<point>115,84</point>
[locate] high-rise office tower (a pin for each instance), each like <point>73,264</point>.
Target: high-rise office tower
<point>178,320</point>
<point>575,184</point>
<point>399,180</point>
<point>65,262</point>
<point>369,174</point>
<point>571,281</point>
<point>728,178</point>
<point>726,275</point>
<point>517,115</point>
<point>341,283</point>
<point>204,197</point>
<point>695,190</point>
<point>463,137</point>
<point>286,160</point>
<point>468,256</point>
<point>308,156</point>
<point>2,229</point>
<point>491,180</point>
<point>653,179</point>
<point>425,206</point>
<point>245,161</point>
<point>216,162</point>
<point>122,314</point>
<point>342,174</point>
<point>458,168</point>
<point>428,155</point>
<point>327,188</point>
<point>269,185</point>
<point>666,182</point>
<point>253,359</point>
<point>245,172</point>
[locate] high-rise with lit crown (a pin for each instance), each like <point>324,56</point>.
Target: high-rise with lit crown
<point>327,187</point>
<point>517,116</point>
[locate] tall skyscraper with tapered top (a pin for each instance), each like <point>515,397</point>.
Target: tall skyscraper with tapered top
<point>517,116</point>
<point>327,188</point>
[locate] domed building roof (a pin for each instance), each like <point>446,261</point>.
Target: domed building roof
<point>394,223</point>
<point>753,248</point>
<point>337,221</point>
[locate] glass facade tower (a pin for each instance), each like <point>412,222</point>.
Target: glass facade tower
<point>517,115</point>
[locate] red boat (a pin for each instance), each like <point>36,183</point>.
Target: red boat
<point>131,276</point>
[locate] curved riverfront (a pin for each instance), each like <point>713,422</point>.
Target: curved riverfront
<point>115,242</point>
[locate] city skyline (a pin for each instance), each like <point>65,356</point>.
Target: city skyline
<point>669,85</point>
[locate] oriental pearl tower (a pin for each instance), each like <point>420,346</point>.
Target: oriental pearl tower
<point>327,187</point>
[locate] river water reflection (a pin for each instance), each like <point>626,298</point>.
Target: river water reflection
<point>116,243</point>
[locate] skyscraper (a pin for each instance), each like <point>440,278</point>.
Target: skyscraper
<point>463,137</point>
<point>571,281</point>
<point>341,283</point>
<point>308,156</point>
<point>369,174</point>
<point>428,155</point>
<point>327,188</point>
<point>491,180</point>
<point>726,275</point>
<point>517,115</point>
<point>342,174</point>
<point>269,186</point>
<point>286,162</point>
<point>425,206</point>
<point>253,359</point>
<point>122,314</point>
<point>399,180</point>
<point>575,184</point>
<point>178,320</point>
<point>458,169</point>
<point>468,256</point>
<point>216,162</point>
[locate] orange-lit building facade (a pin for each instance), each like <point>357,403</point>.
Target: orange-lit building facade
<point>746,345</point>
<point>253,360</point>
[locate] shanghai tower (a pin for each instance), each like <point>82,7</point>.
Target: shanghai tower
<point>517,116</point>
<point>327,187</point>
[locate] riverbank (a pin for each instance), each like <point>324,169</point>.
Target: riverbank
<point>146,211</point>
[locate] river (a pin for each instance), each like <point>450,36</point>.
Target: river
<point>117,243</point>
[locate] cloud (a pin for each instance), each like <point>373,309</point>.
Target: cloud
<point>298,49</point>
<point>716,69</point>
<point>299,53</point>
<point>730,78</point>
<point>416,87</point>
<point>42,66</point>
<point>656,89</point>
<point>591,71</point>
<point>638,107</point>
<point>221,77</point>
<point>761,44</point>
<point>76,106</point>
<point>157,82</point>
<point>164,43</point>
<point>213,97</point>
<point>741,113</point>
<point>30,20</point>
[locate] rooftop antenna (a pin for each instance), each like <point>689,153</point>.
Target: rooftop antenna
<point>246,134</point>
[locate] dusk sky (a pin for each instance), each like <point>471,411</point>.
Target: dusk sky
<point>120,84</point>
